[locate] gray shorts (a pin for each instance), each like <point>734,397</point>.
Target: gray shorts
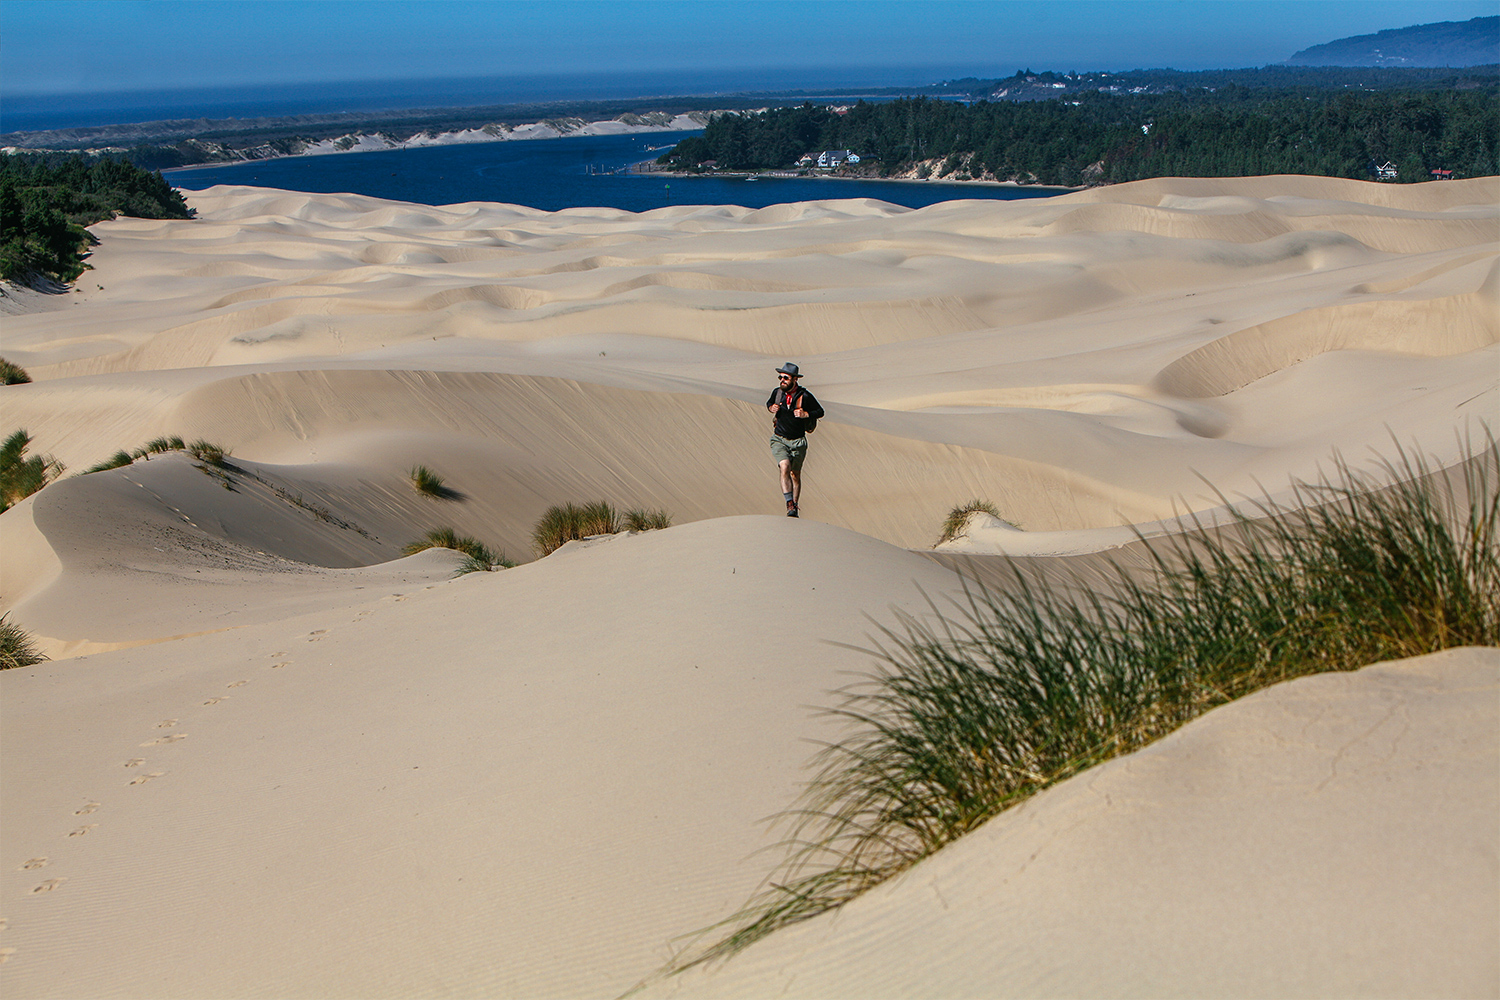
<point>794,451</point>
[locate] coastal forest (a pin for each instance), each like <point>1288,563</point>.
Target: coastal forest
<point>46,200</point>
<point>1101,138</point>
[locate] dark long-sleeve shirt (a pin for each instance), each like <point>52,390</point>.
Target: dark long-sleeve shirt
<point>789,426</point>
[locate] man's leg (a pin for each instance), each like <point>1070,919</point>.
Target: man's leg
<point>795,478</point>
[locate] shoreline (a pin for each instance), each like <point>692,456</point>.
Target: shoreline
<point>633,167</point>
<point>359,144</point>
<point>376,142</point>
<point>779,175</point>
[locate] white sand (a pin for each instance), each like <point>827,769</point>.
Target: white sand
<point>530,783</point>
<point>1334,836</point>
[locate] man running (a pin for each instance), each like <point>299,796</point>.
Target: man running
<point>796,412</point>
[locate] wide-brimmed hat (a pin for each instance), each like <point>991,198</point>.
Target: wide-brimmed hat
<point>788,369</point>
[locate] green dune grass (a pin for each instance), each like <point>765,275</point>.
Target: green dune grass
<point>974,708</point>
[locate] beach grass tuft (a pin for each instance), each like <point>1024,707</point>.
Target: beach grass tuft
<point>159,446</point>
<point>566,522</point>
<point>479,557</point>
<point>208,452</point>
<point>973,709</point>
<point>958,518</point>
<point>646,520</point>
<point>21,476</point>
<point>12,373</point>
<point>118,460</point>
<point>16,646</point>
<point>429,483</point>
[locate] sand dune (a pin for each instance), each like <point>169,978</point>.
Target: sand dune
<point>273,757</point>
<point>1222,861</point>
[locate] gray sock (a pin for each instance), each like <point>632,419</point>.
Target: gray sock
<point>787,497</point>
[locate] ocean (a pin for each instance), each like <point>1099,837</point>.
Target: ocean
<point>27,112</point>
<point>554,174</point>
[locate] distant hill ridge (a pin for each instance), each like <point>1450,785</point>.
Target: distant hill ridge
<point>1474,42</point>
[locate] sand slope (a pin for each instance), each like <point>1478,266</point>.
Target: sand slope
<point>274,758</point>
<point>512,784</point>
<point>1330,837</point>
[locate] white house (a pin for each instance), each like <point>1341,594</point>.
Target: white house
<point>834,157</point>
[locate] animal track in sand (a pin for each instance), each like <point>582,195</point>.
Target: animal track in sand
<point>32,864</point>
<point>86,808</point>
<point>215,701</point>
<point>165,739</point>
<point>83,831</point>
<point>278,666</point>
<point>166,724</point>
<point>5,954</point>
<point>142,779</point>
<point>237,684</point>
<point>49,885</point>
<point>135,762</point>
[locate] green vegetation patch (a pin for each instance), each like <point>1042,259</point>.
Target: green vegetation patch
<point>208,452</point>
<point>958,518</point>
<point>430,484</point>
<point>479,557</point>
<point>12,374</point>
<point>1100,138</point>
<point>567,522</point>
<point>972,711</point>
<point>16,646</point>
<point>21,476</point>
<point>646,520</point>
<point>118,460</point>
<point>46,200</point>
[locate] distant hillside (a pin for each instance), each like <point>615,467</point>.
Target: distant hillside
<point>1447,43</point>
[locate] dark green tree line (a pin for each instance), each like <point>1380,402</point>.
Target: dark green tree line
<point>45,201</point>
<point>1101,138</point>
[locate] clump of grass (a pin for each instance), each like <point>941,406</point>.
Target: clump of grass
<point>958,518</point>
<point>971,712</point>
<point>646,520</point>
<point>16,646</point>
<point>12,374</point>
<point>122,458</point>
<point>487,563</point>
<point>479,557</point>
<point>208,452</point>
<point>21,476</point>
<point>565,522</point>
<point>118,460</point>
<point>429,483</point>
<point>165,444</point>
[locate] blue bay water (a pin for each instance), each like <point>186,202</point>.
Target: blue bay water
<point>553,174</point>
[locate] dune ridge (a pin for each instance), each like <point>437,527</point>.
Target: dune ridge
<point>272,756</point>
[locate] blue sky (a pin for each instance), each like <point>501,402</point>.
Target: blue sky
<point>56,46</point>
